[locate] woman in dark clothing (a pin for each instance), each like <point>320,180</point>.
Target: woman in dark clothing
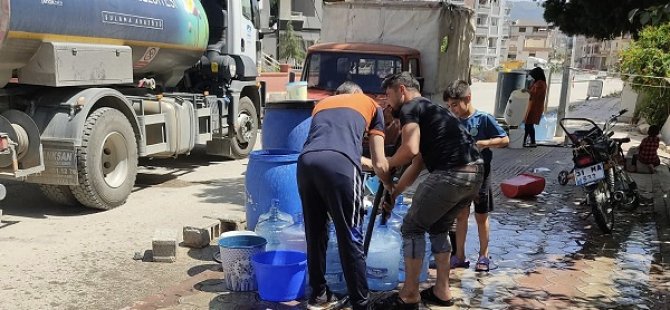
<point>538,92</point>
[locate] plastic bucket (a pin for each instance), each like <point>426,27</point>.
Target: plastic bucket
<point>236,252</point>
<point>286,124</point>
<point>271,174</point>
<point>280,275</point>
<point>296,90</point>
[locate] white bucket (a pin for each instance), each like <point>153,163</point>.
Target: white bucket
<point>296,90</point>
<point>516,138</point>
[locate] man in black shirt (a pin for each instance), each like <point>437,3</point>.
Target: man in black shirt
<point>432,137</point>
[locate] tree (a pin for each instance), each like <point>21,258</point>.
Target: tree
<point>597,18</point>
<point>290,45</point>
<point>646,65</point>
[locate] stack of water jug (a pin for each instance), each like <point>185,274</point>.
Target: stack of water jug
<point>384,271</point>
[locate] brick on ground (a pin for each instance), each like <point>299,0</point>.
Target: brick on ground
<point>201,233</point>
<point>164,246</point>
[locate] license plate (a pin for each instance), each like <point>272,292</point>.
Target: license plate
<point>589,175</point>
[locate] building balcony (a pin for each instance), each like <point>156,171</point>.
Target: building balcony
<point>492,50</point>
<point>493,31</point>
<point>479,50</point>
<point>482,31</point>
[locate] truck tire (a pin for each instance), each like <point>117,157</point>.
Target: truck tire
<point>106,160</point>
<point>244,140</point>
<point>60,194</point>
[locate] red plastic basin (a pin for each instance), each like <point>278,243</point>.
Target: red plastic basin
<point>523,185</point>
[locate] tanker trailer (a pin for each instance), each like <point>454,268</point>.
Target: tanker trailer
<point>87,87</point>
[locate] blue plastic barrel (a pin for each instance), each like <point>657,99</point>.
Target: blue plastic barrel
<point>286,124</point>
<point>280,275</point>
<point>271,174</point>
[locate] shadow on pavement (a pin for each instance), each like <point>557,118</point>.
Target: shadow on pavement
<point>27,200</point>
<point>229,191</point>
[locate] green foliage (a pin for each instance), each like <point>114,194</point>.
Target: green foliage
<point>290,45</point>
<point>444,45</point>
<point>655,15</point>
<point>648,59</point>
<point>597,18</point>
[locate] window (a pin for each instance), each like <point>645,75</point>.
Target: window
<point>494,22</point>
<point>511,56</point>
<point>484,2</point>
<point>480,41</point>
<point>414,66</point>
<point>531,54</point>
<point>329,70</point>
<point>481,20</point>
<point>246,9</point>
<point>492,42</point>
<point>522,29</point>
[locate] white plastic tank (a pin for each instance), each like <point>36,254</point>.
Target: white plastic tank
<point>516,108</point>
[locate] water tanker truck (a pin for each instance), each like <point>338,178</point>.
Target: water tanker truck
<point>88,87</point>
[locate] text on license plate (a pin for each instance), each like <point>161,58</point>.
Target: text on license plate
<point>589,174</point>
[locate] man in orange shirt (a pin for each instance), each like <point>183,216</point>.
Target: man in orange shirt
<point>331,185</point>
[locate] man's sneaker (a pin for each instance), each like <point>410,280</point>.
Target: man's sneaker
<point>325,301</point>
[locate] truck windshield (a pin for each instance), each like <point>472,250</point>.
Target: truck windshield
<point>328,70</point>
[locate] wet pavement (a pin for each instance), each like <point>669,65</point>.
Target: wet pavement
<point>545,254</point>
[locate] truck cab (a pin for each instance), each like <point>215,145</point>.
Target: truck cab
<point>328,65</point>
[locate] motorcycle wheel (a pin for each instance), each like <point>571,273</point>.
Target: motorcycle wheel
<point>633,195</point>
<point>603,210</point>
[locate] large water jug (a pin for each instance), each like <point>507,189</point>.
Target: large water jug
<point>423,276</point>
<point>334,273</point>
<point>401,208</point>
<point>273,223</point>
<point>382,265</point>
<point>515,111</point>
<point>394,221</point>
<point>293,237</point>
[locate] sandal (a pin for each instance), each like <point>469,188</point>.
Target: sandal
<point>455,262</point>
<point>428,296</point>
<point>483,261</point>
<point>395,302</point>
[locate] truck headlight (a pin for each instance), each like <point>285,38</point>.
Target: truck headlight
<point>232,69</point>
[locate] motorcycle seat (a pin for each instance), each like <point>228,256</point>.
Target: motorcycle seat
<point>622,140</point>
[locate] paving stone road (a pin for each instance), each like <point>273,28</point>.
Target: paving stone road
<point>545,254</point>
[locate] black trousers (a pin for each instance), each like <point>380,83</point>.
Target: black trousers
<point>530,132</point>
<point>331,185</point>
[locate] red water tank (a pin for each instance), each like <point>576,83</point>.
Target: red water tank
<point>523,185</point>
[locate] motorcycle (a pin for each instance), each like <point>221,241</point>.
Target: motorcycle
<point>599,167</point>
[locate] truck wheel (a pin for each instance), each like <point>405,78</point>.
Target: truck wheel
<point>245,138</point>
<point>106,160</point>
<point>60,194</point>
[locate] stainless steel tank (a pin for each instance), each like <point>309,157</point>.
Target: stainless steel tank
<point>166,36</point>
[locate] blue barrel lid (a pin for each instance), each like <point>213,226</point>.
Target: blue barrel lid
<point>291,104</point>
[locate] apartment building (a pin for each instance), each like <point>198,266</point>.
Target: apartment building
<point>595,54</point>
<point>533,39</point>
<point>489,47</point>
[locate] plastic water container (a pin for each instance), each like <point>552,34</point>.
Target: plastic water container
<point>516,138</point>
<point>423,276</point>
<point>236,252</point>
<point>401,208</point>
<point>270,227</point>
<point>516,108</point>
<point>293,237</point>
<point>334,274</point>
<point>281,275</point>
<point>394,221</point>
<point>296,90</point>
<point>382,265</point>
<point>547,128</point>
<point>271,174</point>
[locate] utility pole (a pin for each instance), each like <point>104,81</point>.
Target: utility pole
<point>568,63</point>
